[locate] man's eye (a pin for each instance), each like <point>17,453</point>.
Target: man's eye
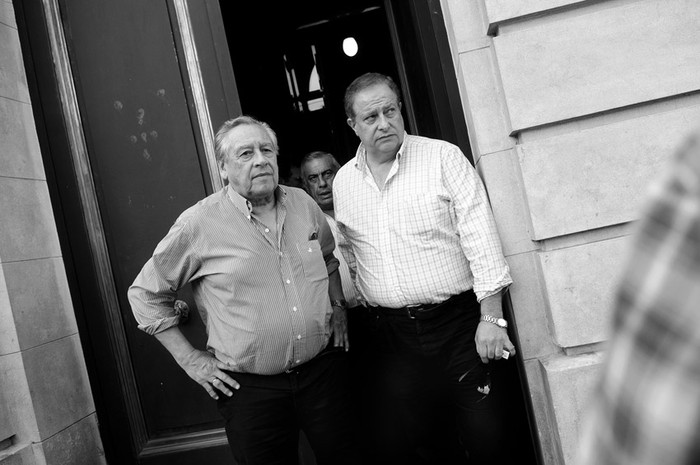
<point>370,119</point>
<point>313,178</point>
<point>390,111</point>
<point>246,155</point>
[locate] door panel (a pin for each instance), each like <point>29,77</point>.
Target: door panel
<point>146,161</point>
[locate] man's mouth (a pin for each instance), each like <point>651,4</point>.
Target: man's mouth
<point>259,175</point>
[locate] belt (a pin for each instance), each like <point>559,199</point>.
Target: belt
<point>417,311</point>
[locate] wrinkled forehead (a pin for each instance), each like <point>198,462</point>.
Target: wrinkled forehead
<point>248,135</point>
<point>318,166</point>
<point>376,96</point>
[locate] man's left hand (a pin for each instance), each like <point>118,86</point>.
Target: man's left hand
<point>491,340</point>
<point>339,327</point>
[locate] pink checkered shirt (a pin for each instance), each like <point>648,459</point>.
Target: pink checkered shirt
<point>426,235</point>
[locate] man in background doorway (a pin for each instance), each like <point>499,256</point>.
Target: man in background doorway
<point>429,266</point>
<point>318,170</point>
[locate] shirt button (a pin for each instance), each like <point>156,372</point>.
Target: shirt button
<point>294,308</point>
<point>267,229</point>
<point>299,336</point>
<point>288,281</point>
<point>298,361</point>
<point>310,249</point>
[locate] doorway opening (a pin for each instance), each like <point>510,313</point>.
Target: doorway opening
<point>292,64</point>
<point>291,69</point>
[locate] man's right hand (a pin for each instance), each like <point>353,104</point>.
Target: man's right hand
<point>199,365</point>
<point>206,370</point>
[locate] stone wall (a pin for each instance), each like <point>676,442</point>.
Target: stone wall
<point>47,415</point>
<point>572,108</point>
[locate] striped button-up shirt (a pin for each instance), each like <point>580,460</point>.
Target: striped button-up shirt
<point>427,234</point>
<point>265,298</point>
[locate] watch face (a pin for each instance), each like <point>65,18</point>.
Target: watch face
<point>502,323</point>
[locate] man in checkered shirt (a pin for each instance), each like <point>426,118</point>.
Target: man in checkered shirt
<point>646,410</point>
<point>423,244</point>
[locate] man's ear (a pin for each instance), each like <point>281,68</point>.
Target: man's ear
<point>351,123</point>
<point>222,169</point>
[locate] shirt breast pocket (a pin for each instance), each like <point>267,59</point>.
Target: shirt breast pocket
<point>312,260</point>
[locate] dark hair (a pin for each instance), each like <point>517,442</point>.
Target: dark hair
<point>220,144</point>
<point>363,82</point>
<point>315,156</point>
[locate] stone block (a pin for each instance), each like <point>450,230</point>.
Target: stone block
<point>20,156</point>
<point>13,80</point>
<point>7,14</point>
<point>501,174</point>
<point>598,177</point>
<point>40,301</point>
<point>27,230</point>
<point>503,10</point>
<point>17,398</point>
<point>580,283</point>
<point>570,383</point>
<point>79,444</point>
<point>543,413</point>
<point>7,424</point>
<point>529,307</point>
<point>468,23</point>
<point>621,55</point>
<point>21,454</point>
<point>58,384</point>
<point>485,106</point>
<point>8,332</point>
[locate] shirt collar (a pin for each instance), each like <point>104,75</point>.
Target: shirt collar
<point>245,207</point>
<point>361,154</point>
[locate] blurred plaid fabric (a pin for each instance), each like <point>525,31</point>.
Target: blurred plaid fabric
<point>646,409</point>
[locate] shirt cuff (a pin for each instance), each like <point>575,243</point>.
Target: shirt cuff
<point>160,325</point>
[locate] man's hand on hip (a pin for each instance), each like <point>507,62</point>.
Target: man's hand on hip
<point>206,370</point>
<point>199,365</point>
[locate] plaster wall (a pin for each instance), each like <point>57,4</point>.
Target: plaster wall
<point>47,414</point>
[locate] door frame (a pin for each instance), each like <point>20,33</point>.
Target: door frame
<point>427,76</point>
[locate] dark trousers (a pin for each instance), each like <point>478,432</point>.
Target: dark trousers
<point>264,416</point>
<point>431,403</point>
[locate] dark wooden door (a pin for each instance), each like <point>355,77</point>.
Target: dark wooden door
<point>122,164</point>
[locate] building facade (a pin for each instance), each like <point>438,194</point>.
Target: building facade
<point>571,106</point>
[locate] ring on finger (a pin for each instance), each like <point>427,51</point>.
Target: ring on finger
<point>214,380</point>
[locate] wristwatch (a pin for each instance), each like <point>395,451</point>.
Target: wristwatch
<point>339,303</point>
<point>500,322</point>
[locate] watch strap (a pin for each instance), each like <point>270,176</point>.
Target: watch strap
<point>500,322</point>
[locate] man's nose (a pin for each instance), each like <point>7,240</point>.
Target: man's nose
<point>322,182</point>
<point>259,158</point>
<point>383,122</point>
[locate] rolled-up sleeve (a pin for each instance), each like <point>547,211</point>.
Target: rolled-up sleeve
<point>153,293</point>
